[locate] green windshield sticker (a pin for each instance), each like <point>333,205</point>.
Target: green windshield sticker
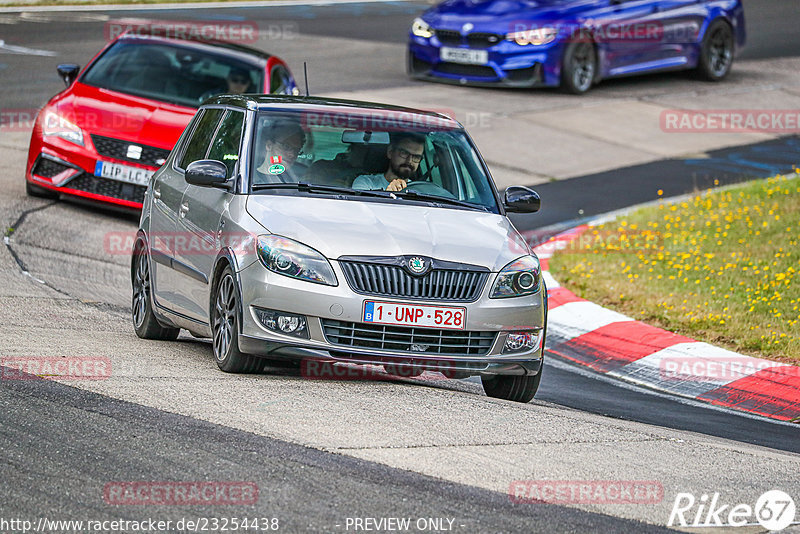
<point>276,169</point>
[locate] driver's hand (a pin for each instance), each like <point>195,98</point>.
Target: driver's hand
<point>397,184</point>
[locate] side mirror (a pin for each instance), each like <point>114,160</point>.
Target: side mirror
<point>520,199</point>
<point>207,173</point>
<point>68,72</point>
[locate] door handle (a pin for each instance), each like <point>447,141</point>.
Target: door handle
<point>184,209</point>
<point>156,192</point>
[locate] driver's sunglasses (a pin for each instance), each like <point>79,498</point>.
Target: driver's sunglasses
<point>239,80</point>
<point>405,154</point>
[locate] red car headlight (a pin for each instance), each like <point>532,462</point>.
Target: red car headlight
<point>54,125</point>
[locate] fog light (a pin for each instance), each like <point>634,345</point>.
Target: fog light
<point>522,341</point>
<point>283,322</point>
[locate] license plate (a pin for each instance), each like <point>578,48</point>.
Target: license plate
<point>122,173</point>
<point>413,315</point>
<point>464,55</point>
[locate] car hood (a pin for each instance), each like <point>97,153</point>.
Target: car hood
<point>498,16</point>
<point>339,228</point>
<point>127,117</point>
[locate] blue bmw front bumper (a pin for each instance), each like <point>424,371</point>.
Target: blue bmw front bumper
<point>508,65</point>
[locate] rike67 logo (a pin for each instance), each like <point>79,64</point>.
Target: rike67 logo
<point>774,510</point>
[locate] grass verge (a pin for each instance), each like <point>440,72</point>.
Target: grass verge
<point>721,267</point>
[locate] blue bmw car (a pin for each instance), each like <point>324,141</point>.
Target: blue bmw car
<point>572,43</point>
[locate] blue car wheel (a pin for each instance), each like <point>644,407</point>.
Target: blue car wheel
<point>579,67</point>
<point>716,54</point>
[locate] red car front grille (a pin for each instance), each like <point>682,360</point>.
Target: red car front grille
<point>118,149</point>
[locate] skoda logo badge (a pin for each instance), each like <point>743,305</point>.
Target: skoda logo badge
<point>467,27</point>
<point>417,265</point>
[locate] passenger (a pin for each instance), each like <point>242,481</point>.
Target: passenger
<point>404,153</point>
<point>283,142</point>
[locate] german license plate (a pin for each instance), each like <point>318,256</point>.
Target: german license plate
<point>413,315</point>
<point>464,55</point>
<point>122,173</point>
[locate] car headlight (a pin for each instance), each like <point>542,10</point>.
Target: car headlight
<point>518,278</point>
<point>533,36</point>
<point>57,126</point>
<point>420,28</point>
<point>295,260</point>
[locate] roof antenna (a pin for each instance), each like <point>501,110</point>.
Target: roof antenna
<point>305,75</point>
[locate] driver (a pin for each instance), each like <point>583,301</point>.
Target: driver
<point>404,154</point>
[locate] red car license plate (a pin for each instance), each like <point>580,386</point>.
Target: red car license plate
<point>415,315</point>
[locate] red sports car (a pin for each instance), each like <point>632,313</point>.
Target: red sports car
<point>103,137</point>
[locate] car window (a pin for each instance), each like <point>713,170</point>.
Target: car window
<point>178,74</point>
<point>357,151</point>
<point>197,146</point>
<point>225,146</point>
<point>180,146</point>
<point>280,81</point>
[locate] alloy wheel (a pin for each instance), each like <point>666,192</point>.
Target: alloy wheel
<point>224,318</point>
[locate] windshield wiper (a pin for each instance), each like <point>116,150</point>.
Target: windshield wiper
<point>314,188</point>
<point>413,195</point>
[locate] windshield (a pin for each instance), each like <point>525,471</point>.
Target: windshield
<point>172,74</point>
<point>415,157</point>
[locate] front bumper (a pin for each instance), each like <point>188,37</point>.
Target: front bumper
<point>66,168</point>
<point>509,65</point>
<point>324,305</point>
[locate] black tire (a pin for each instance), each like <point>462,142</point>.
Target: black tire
<point>579,67</point>
<point>513,388</point>
<point>225,328</point>
<point>39,192</point>
<point>144,320</point>
<point>716,52</point>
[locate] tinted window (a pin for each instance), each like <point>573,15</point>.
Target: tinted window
<point>197,146</point>
<point>176,74</point>
<point>225,147</point>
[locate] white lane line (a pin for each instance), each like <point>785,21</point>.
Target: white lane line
<point>24,50</point>
<point>549,281</point>
<point>194,5</point>
<point>577,318</point>
<point>48,17</point>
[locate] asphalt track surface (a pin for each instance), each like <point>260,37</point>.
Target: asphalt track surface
<point>304,488</point>
<point>143,443</point>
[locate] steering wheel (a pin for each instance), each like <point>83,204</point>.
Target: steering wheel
<point>429,188</point>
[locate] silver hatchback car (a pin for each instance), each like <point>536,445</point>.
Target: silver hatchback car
<point>317,230</point>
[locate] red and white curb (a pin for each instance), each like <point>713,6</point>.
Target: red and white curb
<point>616,345</point>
